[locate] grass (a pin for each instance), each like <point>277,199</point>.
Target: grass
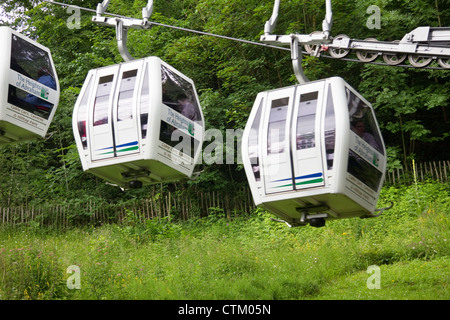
<point>411,280</point>
<point>248,257</point>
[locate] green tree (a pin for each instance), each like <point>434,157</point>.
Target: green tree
<point>411,105</point>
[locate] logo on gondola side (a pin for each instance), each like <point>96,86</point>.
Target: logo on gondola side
<point>30,86</point>
<point>179,121</point>
<point>191,129</point>
<point>366,151</point>
<point>44,93</point>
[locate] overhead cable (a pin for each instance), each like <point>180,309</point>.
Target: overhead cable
<point>227,37</point>
<point>174,27</point>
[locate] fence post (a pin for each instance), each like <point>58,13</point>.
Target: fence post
<point>445,170</point>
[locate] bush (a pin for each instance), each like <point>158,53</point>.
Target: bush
<point>29,273</point>
<point>140,231</point>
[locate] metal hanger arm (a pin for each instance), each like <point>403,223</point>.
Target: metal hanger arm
<point>121,36</point>
<point>271,23</point>
<point>123,24</point>
<point>295,40</point>
<point>328,21</point>
<point>296,57</point>
<point>101,7</point>
<point>147,11</point>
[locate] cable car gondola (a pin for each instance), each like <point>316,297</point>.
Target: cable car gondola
<point>138,122</point>
<point>29,88</point>
<point>314,152</point>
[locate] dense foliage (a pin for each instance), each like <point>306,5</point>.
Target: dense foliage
<point>411,104</point>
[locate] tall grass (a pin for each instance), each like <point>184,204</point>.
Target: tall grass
<point>248,257</point>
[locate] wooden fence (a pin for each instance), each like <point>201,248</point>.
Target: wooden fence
<point>421,172</point>
<point>171,204</point>
<point>180,205</point>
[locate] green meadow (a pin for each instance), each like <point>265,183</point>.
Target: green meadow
<point>403,254</point>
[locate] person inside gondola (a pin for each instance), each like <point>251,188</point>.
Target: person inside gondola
<point>186,107</point>
<point>359,128</point>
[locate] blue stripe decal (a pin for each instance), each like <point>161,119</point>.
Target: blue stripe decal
<point>107,148</point>
<point>282,180</point>
<point>129,144</point>
<point>314,175</point>
<point>308,176</point>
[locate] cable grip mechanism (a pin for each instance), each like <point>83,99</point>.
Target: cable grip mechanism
<point>123,24</point>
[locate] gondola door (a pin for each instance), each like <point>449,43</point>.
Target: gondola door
<point>115,130</point>
<point>277,165</point>
<point>101,134</point>
<point>306,136</point>
<point>125,125</point>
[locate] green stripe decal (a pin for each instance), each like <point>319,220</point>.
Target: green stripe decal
<point>106,153</point>
<point>123,150</point>
<point>302,183</point>
<point>286,185</point>
<point>129,149</point>
<point>310,181</point>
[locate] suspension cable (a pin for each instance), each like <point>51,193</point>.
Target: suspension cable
<point>174,27</point>
<point>229,38</point>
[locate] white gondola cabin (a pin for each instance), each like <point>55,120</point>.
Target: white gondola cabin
<point>29,88</point>
<point>314,152</point>
<point>138,122</point>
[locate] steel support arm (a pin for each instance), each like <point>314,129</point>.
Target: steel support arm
<point>122,25</point>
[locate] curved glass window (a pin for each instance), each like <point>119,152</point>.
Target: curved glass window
<point>364,171</point>
<point>33,63</point>
<point>126,91</point>
<point>253,143</point>
<point>101,105</point>
<point>277,126</point>
<point>362,121</point>
<point>144,104</point>
<point>306,121</point>
<point>363,124</point>
<point>179,94</point>
<point>330,129</point>
<point>83,114</point>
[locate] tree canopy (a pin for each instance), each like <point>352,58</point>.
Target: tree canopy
<point>411,104</point>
